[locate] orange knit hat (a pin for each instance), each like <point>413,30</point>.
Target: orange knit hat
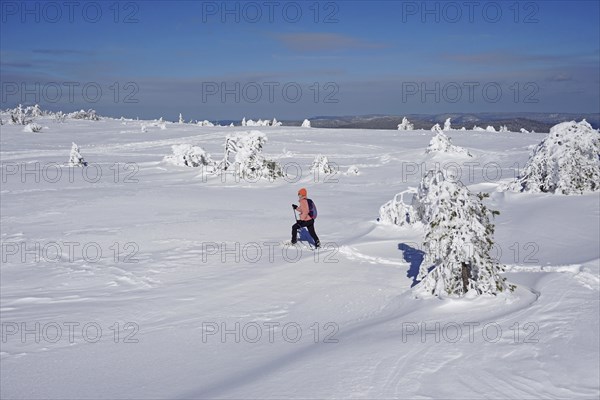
<point>302,192</point>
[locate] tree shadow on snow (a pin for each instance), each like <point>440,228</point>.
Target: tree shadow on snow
<point>415,258</point>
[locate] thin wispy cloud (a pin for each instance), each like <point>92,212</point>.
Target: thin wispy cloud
<point>322,41</point>
<point>500,57</point>
<point>63,52</point>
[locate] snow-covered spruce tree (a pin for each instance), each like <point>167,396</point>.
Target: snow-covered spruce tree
<point>567,161</point>
<point>244,121</point>
<point>436,128</point>
<point>405,125</point>
<point>190,156</point>
<point>181,121</point>
<point>458,241</point>
<point>76,159</point>
<point>276,123</point>
<point>491,129</point>
<point>448,125</point>
<point>306,124</point>
<point>440,143</point>
<point>243,156</point>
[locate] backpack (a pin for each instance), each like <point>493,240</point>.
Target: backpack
<point>312,209</point>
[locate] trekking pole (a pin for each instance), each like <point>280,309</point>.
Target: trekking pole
<point>294,211</point>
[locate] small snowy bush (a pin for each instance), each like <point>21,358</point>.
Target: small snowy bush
<point>59,117</point>
<point>321,165</point>
<point>76,159</point>
<point>306,124</point>
<point>189,156</point>
<point>352,170</point>
<point>88,115</point>
<point>567,161</point>
<point>34,111</point>
<point>441,143</point>
<point>32,127</point>
<point>18,116</point>
<point>400,211</point>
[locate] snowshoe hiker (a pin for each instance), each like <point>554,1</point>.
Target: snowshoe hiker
<point>308,213</point>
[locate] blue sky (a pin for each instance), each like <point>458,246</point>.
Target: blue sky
<point>265,59</point>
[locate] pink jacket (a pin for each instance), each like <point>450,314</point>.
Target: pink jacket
<point>303,210</point>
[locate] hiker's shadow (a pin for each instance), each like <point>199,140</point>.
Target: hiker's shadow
<point>304,236</point>
<point>415,258</point>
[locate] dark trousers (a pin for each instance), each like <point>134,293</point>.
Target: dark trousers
<point>310,225</point>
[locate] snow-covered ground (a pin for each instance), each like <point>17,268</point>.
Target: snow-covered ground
<point>151,280</point>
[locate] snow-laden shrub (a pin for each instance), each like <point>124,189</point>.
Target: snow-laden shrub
<point>523,130</point>
<point>205,123</point>
<point>321,165</point>
<point>491,129</point>
<point>32,127</point>
<point>353,170</point>
<point>458,241</point>
<point>405,125</point>
<point>82,114</point>
<point>76,159</point>
<point>260,122</point>
<point>436,128</point>
<point>567,161</point>
<point>59,117</point>
<point>187,155</point>
<point>34,111</point>
<point>243,156</point>
<point>157,123</point>
<point>181,121</point>
<point>400,210</point>
<point>478,129</point>
<point>448,125</point>
<point>503,129</point>
<point>306,124</point>
<point>18,116</point>
<point>440,143</point>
